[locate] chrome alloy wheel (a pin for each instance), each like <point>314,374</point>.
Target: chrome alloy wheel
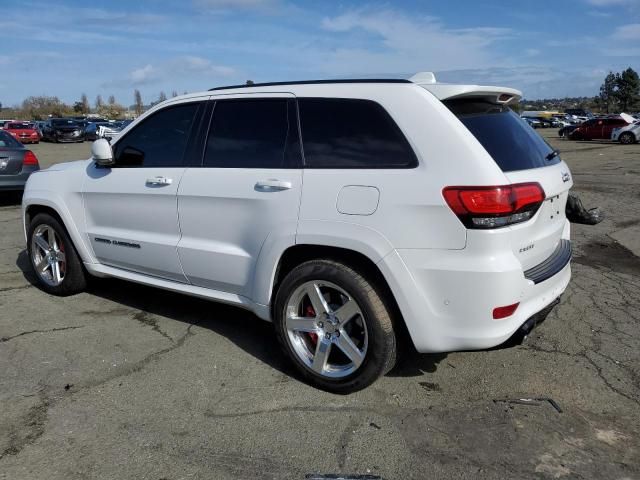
<point>326,329</point>
<point>47,255</point>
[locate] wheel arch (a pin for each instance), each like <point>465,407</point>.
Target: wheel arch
<point>300,253</point>
<point>34,206</point>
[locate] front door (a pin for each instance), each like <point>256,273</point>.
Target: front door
<point>246,196</point>
<point>131,208</point>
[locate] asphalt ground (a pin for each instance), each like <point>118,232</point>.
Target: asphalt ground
<point>128,382</point>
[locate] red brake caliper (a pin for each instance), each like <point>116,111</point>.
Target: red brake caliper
<point>310,312</point>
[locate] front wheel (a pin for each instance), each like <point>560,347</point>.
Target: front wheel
<point>627,138</point>
<point>334,325</point>
<point>54,259</point>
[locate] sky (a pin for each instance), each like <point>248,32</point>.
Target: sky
<point>545,48</point>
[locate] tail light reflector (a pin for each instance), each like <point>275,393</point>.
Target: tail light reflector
<point>504,312</point>
<point>30,158</point>
<point>494,206</point>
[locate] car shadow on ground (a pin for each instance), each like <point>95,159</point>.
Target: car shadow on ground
<point>250,333</point>
<point>10,199</point>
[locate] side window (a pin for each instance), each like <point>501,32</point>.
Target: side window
<point>159,141</point>
<point>256,133</point>
<point>350,133</point>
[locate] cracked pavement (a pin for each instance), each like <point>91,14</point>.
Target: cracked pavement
<point>129,382</point>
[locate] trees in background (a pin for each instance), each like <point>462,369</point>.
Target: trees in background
<point>39,108</point>
<point>138,106</point>
<point>620,92</point>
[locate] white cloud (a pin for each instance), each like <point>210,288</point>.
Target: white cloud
<point>611,3</point>
<point>532,52</point>
<point>627,32</point>
<point>219,6</point>
<point>404,43</point>
<point>146,74</point>
<point>176,68</point>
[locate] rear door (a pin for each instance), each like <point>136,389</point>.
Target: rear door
<point>131,209</point>
<point>523,156</point>
<point>246,195</point>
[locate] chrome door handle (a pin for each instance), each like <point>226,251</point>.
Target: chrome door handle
<point>272,185</point>
<point>159,181</point>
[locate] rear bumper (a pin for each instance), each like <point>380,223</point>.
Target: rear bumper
<point>447,297</point>
<point>16,182</point>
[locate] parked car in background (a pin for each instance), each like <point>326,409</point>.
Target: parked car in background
<point>39,125</point>
<point>24,132</point>
<point>597,129</point>
<point>579,112</point>
<point>567,129</point>
<point>63,130</point>
<point>112,130</point>
<point>5,121</point>
<point>16,163</point>
<point>91,130</point>
<point>452,227</point>
<point>533,122</point>
<point>627,134</point>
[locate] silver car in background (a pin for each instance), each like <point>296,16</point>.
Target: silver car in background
<point>16,163</point>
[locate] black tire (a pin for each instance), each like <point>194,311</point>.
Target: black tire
<point>75,277</point>
<point>381,354</point>
<point>627,138</point>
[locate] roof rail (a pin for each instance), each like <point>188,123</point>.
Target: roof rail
<point>314,82</point>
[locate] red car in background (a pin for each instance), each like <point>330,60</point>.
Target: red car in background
<point>597,129</point>
<point>24,132</point>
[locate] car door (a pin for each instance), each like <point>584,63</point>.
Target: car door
<point>595,131</point>
<point>244,200</point>
<point>131,209</point>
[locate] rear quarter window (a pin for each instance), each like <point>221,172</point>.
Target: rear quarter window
<point>512,143</point>
<point>351,133</point>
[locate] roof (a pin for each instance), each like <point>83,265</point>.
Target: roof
<point>426,80</point>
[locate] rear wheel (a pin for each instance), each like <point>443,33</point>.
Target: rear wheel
<point>54,258</point>
<point>334,326</point>
<point>627,138</point>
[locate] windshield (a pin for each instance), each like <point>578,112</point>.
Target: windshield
<point>19,126</point>
<point>64,123</point>
<point>512,143</point>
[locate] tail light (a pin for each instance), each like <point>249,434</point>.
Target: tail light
<point>494,207</point>
<point>30,158</point>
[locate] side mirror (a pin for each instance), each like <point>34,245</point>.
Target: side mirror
<point>101,153</point>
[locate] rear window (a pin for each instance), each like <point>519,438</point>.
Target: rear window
<point>64,123</point>
<point>8,141</point>
<point>512,143</point>
<point>351,133</point>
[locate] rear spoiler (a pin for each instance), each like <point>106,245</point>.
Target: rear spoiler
<point>446,91</point>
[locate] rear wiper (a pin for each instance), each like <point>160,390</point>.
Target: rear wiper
<point>552,155</point>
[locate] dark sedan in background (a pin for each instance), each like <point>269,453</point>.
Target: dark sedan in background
<point>63,130</point>
<point>16,163</point>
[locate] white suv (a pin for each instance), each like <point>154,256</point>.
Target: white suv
<point>346,212</point>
